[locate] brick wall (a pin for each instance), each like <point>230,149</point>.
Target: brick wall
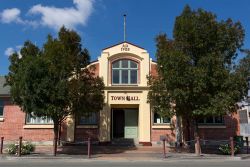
<point>12,126</point>
<point>153,71</point>
<point>156,133</point>
<point>82,134</point>
<point>231,129</point>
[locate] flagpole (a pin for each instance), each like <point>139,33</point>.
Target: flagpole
<point>124,17</point>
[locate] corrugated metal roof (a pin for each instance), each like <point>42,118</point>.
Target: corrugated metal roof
<point>4,90</point>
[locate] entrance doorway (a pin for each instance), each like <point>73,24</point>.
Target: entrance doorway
<point>125,123</point>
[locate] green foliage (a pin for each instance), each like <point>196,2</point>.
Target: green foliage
<point>11,149</point>
<point>226,149</point>
<point>243,68</point>
<point>86,93</point>
<point>196,68</point>
<point>26,148</point>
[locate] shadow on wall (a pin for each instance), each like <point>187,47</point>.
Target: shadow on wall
<point>229,128</point>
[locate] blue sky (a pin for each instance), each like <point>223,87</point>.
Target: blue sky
<point>100,22</point>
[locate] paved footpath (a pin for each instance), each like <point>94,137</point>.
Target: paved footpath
<point>110,153</point>
<point>101,163</point>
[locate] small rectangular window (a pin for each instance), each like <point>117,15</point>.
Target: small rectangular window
<point>218,120</point>
<point>1,108</point>
<point>38,120</point>
<point>161,120</point>
<point>211,120</point>
<point>90,119</point>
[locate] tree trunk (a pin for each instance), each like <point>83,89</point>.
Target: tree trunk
<point>59,133</point>
<point>74,140</point>
<point>196,137</point>
<point>55,137</point>
<point>178,131</point>
<point>188,130</point>
<point>196,129</point>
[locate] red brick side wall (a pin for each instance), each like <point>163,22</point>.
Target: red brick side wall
<point>156,133</point>
<point>82,134</point>
<point>232,129</point>
<point>229,129</point>
<point>153,71</point>
<point>12,126</point>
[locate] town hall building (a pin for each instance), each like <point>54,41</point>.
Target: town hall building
<point>126,114</point>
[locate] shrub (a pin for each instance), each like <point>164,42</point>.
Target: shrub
<point>11,149</point>
<point>27,148</point>
<point>226,149</point>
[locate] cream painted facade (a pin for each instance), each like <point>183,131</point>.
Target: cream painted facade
<point>116,96</point>
<point>129,99</point>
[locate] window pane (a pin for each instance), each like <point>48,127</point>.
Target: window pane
<point>201,121</point>
<point>166,120</point>
<point>133,76</point>
<point>124,63</point>
<point>124,72</point>
<point>115,76</point>
<point>1,111</point>
<point>124,76</point>
<point>209,120</point>
<point>38,120</point>
<point>116,64</point>
<point>133,64</point>
<point>1,107</point>
<point>218,119</point>
<point>157,118</point>
<point>90,119</point>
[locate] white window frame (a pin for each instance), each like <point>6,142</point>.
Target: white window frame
<point>129,69</point>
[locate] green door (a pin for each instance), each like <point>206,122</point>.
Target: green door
<point>131,123</point>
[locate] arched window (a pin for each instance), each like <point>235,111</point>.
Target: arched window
<point>124,72</point>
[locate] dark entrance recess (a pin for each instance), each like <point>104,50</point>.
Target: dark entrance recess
<point>118,123</point>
